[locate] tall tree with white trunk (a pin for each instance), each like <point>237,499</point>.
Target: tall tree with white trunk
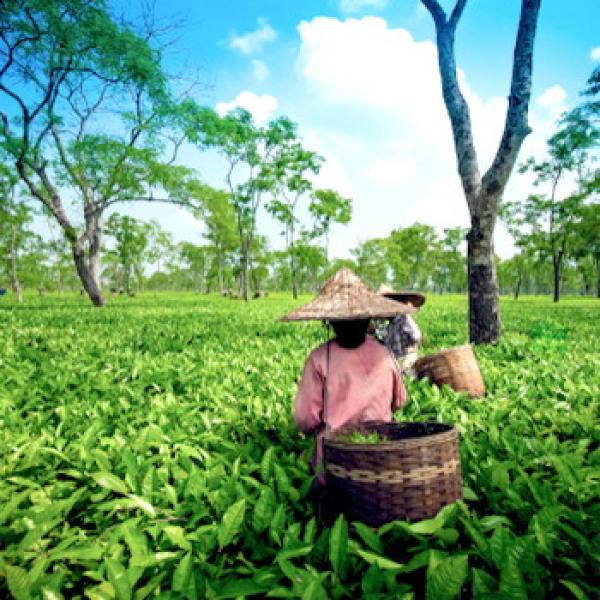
<point>483,193</point>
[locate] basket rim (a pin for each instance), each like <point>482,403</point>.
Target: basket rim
<point>411,442</point>
<point>443,352</point>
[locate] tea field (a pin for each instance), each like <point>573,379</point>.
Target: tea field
<point>147,451</point>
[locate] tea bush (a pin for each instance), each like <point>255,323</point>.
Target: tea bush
<point>147,450</point>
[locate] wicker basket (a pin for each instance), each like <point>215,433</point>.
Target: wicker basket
<point>410,477</point>
<point>456,367</point>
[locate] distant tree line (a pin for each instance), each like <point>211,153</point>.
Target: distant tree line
<point>557,233</point>
<point>90,120</point>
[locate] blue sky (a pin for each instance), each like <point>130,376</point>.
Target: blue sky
<point>360,78</point>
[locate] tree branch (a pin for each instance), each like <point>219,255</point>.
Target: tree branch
<point>151,198</point>
<point>457,107</point>
<point>23,40</point>
<point>69,167</point>
<point>456,13</point>
<point>437,12</point>
<point>516,127</point>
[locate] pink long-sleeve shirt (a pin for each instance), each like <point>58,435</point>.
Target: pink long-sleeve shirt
<point>363,384</point>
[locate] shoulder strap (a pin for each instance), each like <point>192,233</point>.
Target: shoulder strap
<point>326,391</point>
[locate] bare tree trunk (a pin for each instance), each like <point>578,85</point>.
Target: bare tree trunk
<point>484,194</point>
<point>219,258</point>
<point>95,256</point>
<point>292,251</point>
<point>484,314</point>
<point>556,275</point>
<point>86,274</point>
<point>255,282</point>
<point>518,286</point>
<point>127,275</point>
<point>244,274</point>
<point>14,275</point>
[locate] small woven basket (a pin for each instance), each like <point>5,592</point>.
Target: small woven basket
<point>410,476</point>
<point>456,367</point>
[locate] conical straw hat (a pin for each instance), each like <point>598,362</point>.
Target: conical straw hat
<point>415,298</point>
<point>344,297</point>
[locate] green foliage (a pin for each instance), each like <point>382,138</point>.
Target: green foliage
<point>131,238</point>
<point>65,66</point>
<point>415,257</point>
<point>358,437</point>
<point>148,450</point>
<point>555,227</point>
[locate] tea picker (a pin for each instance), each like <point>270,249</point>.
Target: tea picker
<point>401,335</point>
<point>351,378</point>
<point>352,382</point>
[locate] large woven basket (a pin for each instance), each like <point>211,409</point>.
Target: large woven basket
<point>410,477</point>
<point>456,367</point>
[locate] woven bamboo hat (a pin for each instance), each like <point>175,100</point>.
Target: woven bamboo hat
<point>344,297</point>
<point>415,298</point>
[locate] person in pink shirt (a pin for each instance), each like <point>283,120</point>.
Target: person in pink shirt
<point>351,378</point>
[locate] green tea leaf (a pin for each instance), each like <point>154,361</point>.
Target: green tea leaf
<point>240,588</point>
<point>18,582</point>
<point>117,575</point>
<point>266,464</point>
<point>77,553</point>
<point>264,508</point>
<point>369,537</point>
<point>512,586</point>
<point>143,505</point>
<point>49,593</point>
<point>314,591</point>
<point>183,577</point>
<point>338,546</point>
<point>445,576</point>
<point>577,592</point>
<point>110,482</point>
<point>231,523</point>
<point>380,561</point>
<point>177,536</point>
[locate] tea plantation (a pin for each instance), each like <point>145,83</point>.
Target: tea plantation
<point>147,450</point>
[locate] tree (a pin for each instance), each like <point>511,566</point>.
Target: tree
<point>371,261</point>
<point>131,240</point>
<point>14,218</point>
<point>411,254</point>
<point>551,218</point>
<point>219,217</point>
<point>328,207</point>
<point>449,272</point>
<point>514,272</point>
<point>249,151</point>
<point>262,259</point>
<point>291,168</point>
<point>197,261</point>
<point>64,66</point>
<point>59,273</point>
<point>484,193</point>
<point>161,247</point>
<point>587,240</point>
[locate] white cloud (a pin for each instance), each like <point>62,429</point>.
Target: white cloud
<point>354,6</point>
<point>595,53</point>
<point>397,170</point>
<point>552,97</point>
<point>392,137</point>
<point>260,71</point>
<point>253,41</point>
<point>262,107</point>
